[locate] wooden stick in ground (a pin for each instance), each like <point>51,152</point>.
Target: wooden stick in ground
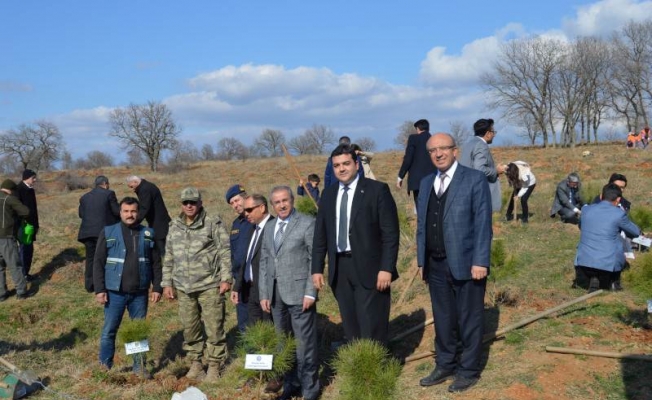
<point>291,161</point>
<point>412,330</point>
<point>516,201</point>
<point>491,336</point>
<point>405,290</point>
<point>608,354</point>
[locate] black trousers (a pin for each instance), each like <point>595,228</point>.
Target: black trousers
<point>524,207</point>
<point>365,312</point>
<point>458,310</point>
<point>89,244</point>
<point>254,311</point>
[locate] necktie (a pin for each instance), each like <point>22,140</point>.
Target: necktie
<point>250,257</point>
<point>343,225</point>
<point>440,192</point>
<point>278,238</point>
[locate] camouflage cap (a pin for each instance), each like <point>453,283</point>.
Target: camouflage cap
<point>190,194</point>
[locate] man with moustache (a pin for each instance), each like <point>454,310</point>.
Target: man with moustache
<point>126,264</point>
<point>453,252</point>
<point>475,154</point>
<point>241,229</point>
<point>286,290</point>
<point>196,264</point>
<point>357,227</point>
<point>246,280</point>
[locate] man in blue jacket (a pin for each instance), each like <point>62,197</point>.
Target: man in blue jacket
<point>126,264</point>
<point>600,250</point>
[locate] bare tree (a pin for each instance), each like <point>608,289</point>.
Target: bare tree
<point>148,127</point>
<point>521,79</point>
<point>593,59</point>
<point>95,159</point>
<point>301,145</point>
<point>231,149</point>
<point>9,165</point>
<point>530,128</point>
<point>35,146</point>
<point>66,160</point>
<point>207,152</point>
<point>269,142</point>
<point>460,131</point>
<point>182,154</point>
<point>135,156</point>
<point>404,131</point>
<point>366,143</point>
<point>630,76</point>
<point>320,136</point>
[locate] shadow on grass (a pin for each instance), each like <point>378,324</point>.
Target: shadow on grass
<point>330,336</point>
<point>66,256</point>
<point>636,379</point>
<point>173,348</point>
<point>406,346</point>
<point>65,341</point>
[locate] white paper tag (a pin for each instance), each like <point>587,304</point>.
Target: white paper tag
<point>642,240</point>
<point>259,361</point>
<point>137,347</point>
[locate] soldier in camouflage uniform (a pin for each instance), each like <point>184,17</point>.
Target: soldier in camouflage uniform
<point>197,265</point>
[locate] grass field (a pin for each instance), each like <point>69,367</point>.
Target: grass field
<point>56,332</point>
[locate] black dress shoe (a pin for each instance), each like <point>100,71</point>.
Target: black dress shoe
<point>436,377</point>
<point>616,287</point>
<point>460,384</point>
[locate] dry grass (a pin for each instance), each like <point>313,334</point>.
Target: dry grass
<point>56,333</point>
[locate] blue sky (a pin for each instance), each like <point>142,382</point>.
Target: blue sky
<point>231,68</point>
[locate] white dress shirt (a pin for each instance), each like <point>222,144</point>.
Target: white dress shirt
<point>340,192</point>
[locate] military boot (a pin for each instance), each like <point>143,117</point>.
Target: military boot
<point>196,371</point>
<point>213,373</point>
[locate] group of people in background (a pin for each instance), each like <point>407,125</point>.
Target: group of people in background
<point>18,231</point>
<point>273,265</point>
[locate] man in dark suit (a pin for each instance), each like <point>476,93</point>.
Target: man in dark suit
<point>286,290</point>
<point>416,162</point>
<point>26,194</point>
<point>245,287</point>
<point>152,208</point>
<point>357,226</point>
<point>568,202</point>
<point>453,251</point>
<point>97,209</point>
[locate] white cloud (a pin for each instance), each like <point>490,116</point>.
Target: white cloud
<point>475,58</point>
<point>603,17</point>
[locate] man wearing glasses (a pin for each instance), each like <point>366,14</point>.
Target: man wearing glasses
<point>453,252</point>
<point>245,286</point>
<point>197,265</point>
<point>475,154</point>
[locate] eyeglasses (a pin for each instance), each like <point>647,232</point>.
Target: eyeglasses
<point>495,132</point>
<point>250,209</point>
<point>440,149</point>
<point>189,203</point>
